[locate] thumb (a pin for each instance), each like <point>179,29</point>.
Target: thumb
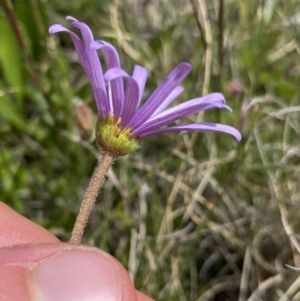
<point>63,272</point>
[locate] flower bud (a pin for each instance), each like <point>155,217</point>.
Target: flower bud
<point>85,121</point>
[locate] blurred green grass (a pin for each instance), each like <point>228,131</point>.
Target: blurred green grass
<point>192,216</point>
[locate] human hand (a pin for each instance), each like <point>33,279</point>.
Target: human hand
<point>36,266</point>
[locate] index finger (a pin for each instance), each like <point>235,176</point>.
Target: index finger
<point>16,229</point>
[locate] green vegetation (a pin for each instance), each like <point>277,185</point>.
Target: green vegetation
<point>191,216</point>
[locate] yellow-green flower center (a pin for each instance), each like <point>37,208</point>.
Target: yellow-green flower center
<point>113,139</point>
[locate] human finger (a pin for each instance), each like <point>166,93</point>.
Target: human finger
<point>61,272</point>
<point>16,229</point>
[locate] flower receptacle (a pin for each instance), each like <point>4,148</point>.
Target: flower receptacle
<point>114,140</point>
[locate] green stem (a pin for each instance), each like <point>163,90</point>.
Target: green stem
<point>9,11</point>
<point>220,42</point>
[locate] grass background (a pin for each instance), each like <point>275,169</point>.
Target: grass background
<point>191,216</point>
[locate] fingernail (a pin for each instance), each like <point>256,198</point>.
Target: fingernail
<point>75,274</point>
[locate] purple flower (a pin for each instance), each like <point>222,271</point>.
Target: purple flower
<point>120,106</point>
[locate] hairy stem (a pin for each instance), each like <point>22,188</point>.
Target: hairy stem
<point>89,199</point>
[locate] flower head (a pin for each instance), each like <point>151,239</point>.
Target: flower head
<point>123,121</point>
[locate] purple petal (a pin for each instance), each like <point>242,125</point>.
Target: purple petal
<point>176,92</point>
<point>79,46</point>
<point>160,94</point>
<point>131,94</point>
<point>58,28</point>
<point>214,127</point>
<point>112,61</point>
<point>214,100</point>
<point>114,73</point>
<point>70,18</point>
<point>211,98</point>
<point>140,75</point>
<point>109,51</point>
<point>109,94</point>
<point>96,74</point>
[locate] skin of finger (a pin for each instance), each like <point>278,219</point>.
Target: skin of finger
<point>16,229</point>
<point>142,297</point>
<point>16,263</point>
